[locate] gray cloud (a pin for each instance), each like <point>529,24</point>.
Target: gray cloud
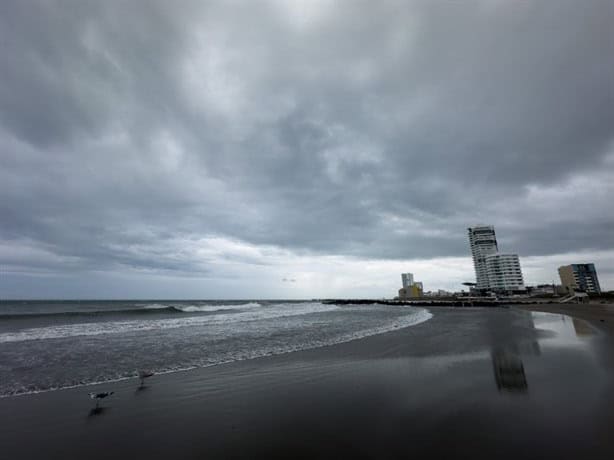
<point>130,130</point>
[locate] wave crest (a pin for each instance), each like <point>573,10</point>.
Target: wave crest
<point>213,308</point>
<point>154,308</point>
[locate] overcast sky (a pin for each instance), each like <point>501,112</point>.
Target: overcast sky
<point>299,149</point>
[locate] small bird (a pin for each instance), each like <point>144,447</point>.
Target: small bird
<point>144,375</point>
<point>99,396</point>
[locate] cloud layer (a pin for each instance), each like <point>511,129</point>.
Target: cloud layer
<point>213,140</point>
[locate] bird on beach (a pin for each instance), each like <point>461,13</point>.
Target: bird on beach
<point>99,396</point>
<point>144,375</point>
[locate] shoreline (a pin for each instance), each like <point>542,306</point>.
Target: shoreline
<point>389,395</point>
<point>599,316</point>
<point>423,316</point>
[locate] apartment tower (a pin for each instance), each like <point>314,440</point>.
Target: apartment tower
<point>493,271</point>
<point>483,243</point>
<point>582,277</point>
<point>504,273</point>
<point>407,279</point>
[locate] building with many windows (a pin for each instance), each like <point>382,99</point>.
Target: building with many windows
<point>580,277</point>
<point>503,272</point>
<point>411,288</point>
<point>493,271</point>
<point>407,279</point>
<point>483,243</point>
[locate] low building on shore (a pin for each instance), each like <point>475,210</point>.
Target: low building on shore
<point>546,290</point>
<point>440,293</point>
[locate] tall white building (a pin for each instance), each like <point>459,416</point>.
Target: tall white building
<point>407,279</point>
<point>494,271</point>
<point>483,243</point>
<point>504,273</point>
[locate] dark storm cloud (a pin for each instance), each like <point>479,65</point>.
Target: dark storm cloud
<point>130,130</point>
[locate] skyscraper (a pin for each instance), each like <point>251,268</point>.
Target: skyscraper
<point>493,270</point>
<point>582,277</point>
<point>483,242</point>
<point>410,287</point>
<point>407,279</point>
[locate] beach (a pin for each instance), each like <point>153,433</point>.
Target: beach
<point>599,315</point>
<point>473,383</point>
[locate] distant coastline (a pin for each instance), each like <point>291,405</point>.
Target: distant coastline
<point>469,302</point>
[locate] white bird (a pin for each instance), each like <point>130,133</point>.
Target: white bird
<point>99,396</point>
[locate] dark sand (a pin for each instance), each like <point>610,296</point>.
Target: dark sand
<point>470,383</point>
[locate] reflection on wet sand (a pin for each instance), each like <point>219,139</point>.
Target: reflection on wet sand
<point>506,353</point>
<point>509,371</point>
<point>582,328</point>
<point>97,411</point>
<point>508,345</point>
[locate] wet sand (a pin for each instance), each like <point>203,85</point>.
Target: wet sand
<point>600,316</point>
<point>469,383</point>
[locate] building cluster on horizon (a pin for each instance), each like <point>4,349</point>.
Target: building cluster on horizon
<point>499,273</point>
<point>494,271</point>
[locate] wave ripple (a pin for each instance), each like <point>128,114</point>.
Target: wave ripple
<point>66,355</point>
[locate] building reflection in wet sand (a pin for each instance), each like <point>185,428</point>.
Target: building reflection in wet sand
<point>509,371</point>
<point>582,328</point>
<point>506,358</point>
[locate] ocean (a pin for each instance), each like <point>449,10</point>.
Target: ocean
<point>50,345</point>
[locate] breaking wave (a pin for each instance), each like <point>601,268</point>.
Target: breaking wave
<point>206,308</point>
<point>252,350</point>
<point>60,331</point>
<point>146,310</point>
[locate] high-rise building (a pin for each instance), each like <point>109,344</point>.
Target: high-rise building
<point>503,272</point>
<point>493,271</point>
<point>483,243</point>
<point>407,279</point>
<point>410,287</point>
<point>581,277</point>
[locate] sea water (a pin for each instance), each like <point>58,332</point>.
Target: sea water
<point>52,345</point>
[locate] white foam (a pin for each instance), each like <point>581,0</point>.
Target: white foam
<point>214,308</point>
<point>417,316</point>
<point>120,327</point>
<point>155,306</point>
